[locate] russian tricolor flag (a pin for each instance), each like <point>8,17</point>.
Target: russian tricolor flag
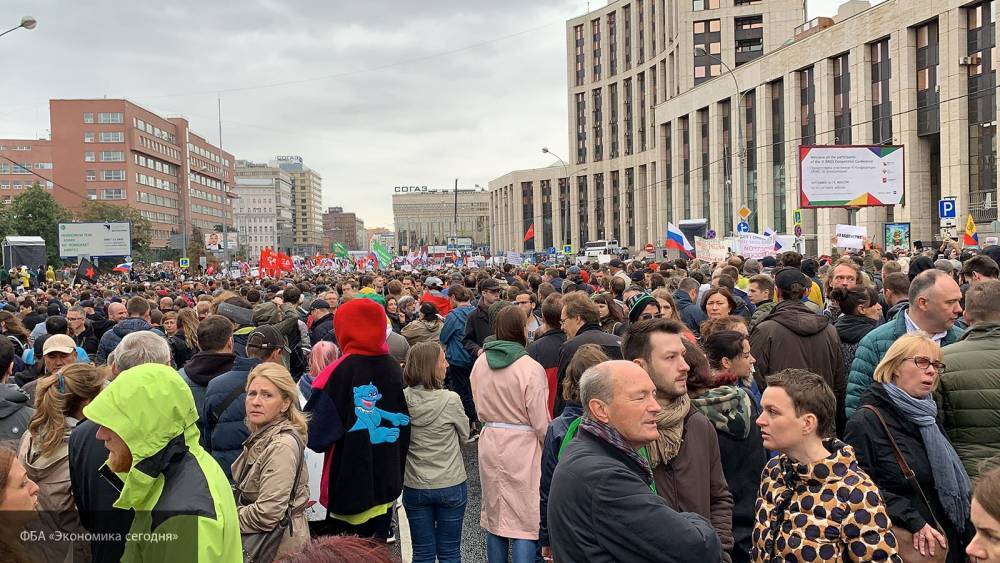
<point>676,239</point>
<point>124,267</point>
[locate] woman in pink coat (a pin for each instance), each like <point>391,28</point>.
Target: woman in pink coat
<point>510,391</point>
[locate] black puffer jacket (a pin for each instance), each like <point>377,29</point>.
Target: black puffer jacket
<point>589,333</point>
<point>851,329</point>
<point>14,412</point>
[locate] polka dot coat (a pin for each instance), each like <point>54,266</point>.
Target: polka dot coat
<point>826,511</point>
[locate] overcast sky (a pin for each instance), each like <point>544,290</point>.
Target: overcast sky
<point>371,94</point>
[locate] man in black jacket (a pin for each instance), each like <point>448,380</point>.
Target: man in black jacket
<point>581,321</point>
<point>14,410</point>
<point>601,504</point>
<point>322,325</point>
<point>477,328</point>
<point>548,342</point>
<point>82,330</point>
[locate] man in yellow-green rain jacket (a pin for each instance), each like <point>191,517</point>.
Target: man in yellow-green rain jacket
<point>184,506</point>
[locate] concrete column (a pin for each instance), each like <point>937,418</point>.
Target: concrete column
<point>953,29</point>
<point>574,211</point>
<point>765,158</point>
<point>537,217</point>
<point>642,191</point>
<point>717,170</point>
<point>816,223</point>
<point>653,195</point>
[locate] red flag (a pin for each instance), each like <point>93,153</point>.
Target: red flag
<point>285,262</point>
<point>530,234</point>
<point>268,261</point>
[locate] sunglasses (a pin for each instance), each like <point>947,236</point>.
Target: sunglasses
<point>650,316</point>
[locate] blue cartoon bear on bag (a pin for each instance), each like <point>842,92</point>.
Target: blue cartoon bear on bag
<point>370,416</point>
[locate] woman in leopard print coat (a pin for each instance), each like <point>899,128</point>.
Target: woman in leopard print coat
<point>825,509</point>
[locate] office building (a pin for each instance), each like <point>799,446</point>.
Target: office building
<point>430,217</point>
<point>344,227</point>
<point>667,146</point>
<point>252,180</point>
<point>307,205</point>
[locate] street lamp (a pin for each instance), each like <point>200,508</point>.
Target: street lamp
<point>27,22</point>
<point>741,148</point>
<point>569,230</point>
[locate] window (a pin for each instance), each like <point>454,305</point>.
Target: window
<point>89,156</point>
<point>88,137</point>
<point>881,66</point>
<point>841,100</point>
<point>43,166</point>
<point>112,175</point>
<point>112,156</point>
<point>91,175</point>
<point>112,137</point>
<point>21,168</point>
<point>110,117</point>
<point>88,117</point>
<point>113,193</point>
<point>578,32</point>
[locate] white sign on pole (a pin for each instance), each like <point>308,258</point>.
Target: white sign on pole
<point>851,236</point>
<point>853,176</point>
<point>95,239</point>
<point>711,250</point>
<point>753,245</point>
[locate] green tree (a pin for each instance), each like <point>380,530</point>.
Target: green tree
<point>142,229</point>
<point>35,213</point>
<point>196,247</point>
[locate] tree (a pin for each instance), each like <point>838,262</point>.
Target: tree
<point>142,229</point>
<point>196,247</point>
<point>35,213</point>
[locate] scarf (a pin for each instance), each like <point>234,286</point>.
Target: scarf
<point>951,482</point>
<point>670,423</point>
<point>610,435</point>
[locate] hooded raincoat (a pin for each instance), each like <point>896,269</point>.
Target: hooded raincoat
<point>178,492</point>
<point>511,394</point>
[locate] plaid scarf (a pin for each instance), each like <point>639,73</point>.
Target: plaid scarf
<point>613,437</point>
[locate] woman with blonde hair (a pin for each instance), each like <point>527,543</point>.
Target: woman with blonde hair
<point>44,451</point>
<point>184,342</point>
<point>898,417</point>
<point>169,323</point>
<point>434,483</point>
<point>18,503</point>
<point>272,482</point>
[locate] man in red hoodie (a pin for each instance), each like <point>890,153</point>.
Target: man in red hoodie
<point>360,420</point>
<point>432,294</point>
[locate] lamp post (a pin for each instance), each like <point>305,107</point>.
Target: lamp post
<point>27,22</point>
<point>741,147</point>
<point>569,183</point>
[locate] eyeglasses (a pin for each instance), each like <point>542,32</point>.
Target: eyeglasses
<point>923,362</point>
<point>563,320</point>
<point>649,316</point>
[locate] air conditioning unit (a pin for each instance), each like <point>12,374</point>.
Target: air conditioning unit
<point>969,60</point>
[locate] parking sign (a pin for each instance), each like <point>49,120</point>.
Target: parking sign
<point>947,208</point>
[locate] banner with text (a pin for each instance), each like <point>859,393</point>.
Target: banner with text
<point>711,250</point>
<point>756,246</point>
<point>851,236</point>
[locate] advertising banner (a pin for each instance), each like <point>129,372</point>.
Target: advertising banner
<point>850,176</point>
<point>95,239</point>
<point>851,236</point>
<point>711,250</point>
<point>897,236</point>
<point>213,241</point>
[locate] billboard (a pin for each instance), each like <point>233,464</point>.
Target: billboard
<point>95,239</point>
<point>213,241</point>
<point>897,237</point>
<point>850,175</point>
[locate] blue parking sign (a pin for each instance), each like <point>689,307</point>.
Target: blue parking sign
<point>947,208</point>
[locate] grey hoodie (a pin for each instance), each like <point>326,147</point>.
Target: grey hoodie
<point>438,427</point>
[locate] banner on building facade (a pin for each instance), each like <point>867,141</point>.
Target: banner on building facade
<point>850,175</point>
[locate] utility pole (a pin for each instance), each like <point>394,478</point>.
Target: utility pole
<point>454,227</point>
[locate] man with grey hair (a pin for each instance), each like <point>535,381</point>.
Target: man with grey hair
<point>934,306</point>
<point>752,267</point>
<point>93,494</point>
<point>970,388</point>
<point>601,505</point>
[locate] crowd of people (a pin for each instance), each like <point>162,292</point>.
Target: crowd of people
<point>836,408</point>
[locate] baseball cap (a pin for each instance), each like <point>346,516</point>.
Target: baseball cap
<point>787,278</point>
<point>638,276</point>
<point>637,304</point>
<point>319,304</point>
<point>266,338</point>
<point>59,343</point>
<point>433,281</point>
<point>573,270</point>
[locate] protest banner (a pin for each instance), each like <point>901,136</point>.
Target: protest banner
<point>711,250</point>
<point>753,245</point>
<point>851,236</point>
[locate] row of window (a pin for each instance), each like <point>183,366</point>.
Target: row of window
<point>104,137</point>
<point>205,181</point>
<point>106,175</point>
<point>154,199</point>
<point>196,193</point>
<point>160,147</point>
<point>107,194</point>
<point>19,185</point>
<point>16,148</point>
<point>154,131</point>
<point>205,210</point>
<point>104,117</point>
<point>204,153</point>
<point>157,217</point>
<point>154,164</point>
<point>155,182</point>
<point>106,156</point>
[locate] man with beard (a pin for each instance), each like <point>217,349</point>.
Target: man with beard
<point>685,458</point>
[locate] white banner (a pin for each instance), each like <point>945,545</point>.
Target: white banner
<point>851,236</point>
<point>95,239</point>
<point>711,250</point>
<point>860,176</point>
<point>756,246</point>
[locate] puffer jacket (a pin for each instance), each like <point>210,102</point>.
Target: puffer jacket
<point>554,436</point>
<point>870,352</point>
<point>15,414</point>
<point>970,395</point>
<point>226,432</point>
<point>174,486</point>
<point>56,509</point>
<point>113,337</point>
<point>732,412</point>
<point>793,336</point>
<point>202,368</point>
<point>438,428</point>
<point>422,330</point>
<point>852,525</point>
<point>265,472</point>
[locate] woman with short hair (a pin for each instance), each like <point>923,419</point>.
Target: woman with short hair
<point>434,482</point>
<point>930,513</point>
<point>718,302</point>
